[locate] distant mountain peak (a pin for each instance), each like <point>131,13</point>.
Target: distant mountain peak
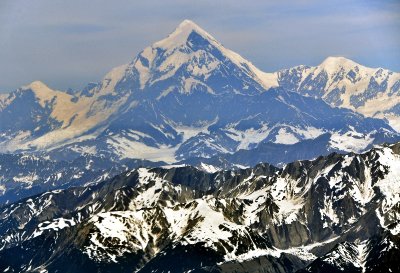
<point>337,59</point>
<point>332,64</point>
<point>191,45</point>
<point>41,91</point>
<point>187,24</point>
<point>36,85</point>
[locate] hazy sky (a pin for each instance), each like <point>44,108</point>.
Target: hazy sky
<point>69,43</point>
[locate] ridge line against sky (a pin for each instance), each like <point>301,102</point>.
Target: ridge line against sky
<point>70,43</point>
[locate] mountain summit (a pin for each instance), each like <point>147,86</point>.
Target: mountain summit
<point>181,35</point>
<point>194,55</point>
<point>373,92</point>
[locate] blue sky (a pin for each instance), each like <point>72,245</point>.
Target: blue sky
<point>69,43</point>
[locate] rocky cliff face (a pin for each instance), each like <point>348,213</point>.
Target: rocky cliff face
<point>336,213</point>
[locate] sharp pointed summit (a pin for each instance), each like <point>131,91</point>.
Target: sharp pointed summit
<point>188,23</point>
<point>198,56</point>
<point>181,34</point>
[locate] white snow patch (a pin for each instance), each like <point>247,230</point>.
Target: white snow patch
<point>285,137</point>
<point>208,168</point>
<point>351,141</point>
<point>126,148</point>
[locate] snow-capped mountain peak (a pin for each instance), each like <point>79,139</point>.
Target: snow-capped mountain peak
<point>181,34</point>
<point>194,50</point>
<point>44,93</point>
<point>39,88</point>
<point>36,85</point>
<point>333,64</point>
<point>373,92</point>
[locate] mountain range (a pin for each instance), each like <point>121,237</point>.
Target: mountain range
<point>187,96</point>
<point>189,153</point>
<point>337,213</point>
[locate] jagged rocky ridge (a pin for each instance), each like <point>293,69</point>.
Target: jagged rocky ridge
<point>337,213</point>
